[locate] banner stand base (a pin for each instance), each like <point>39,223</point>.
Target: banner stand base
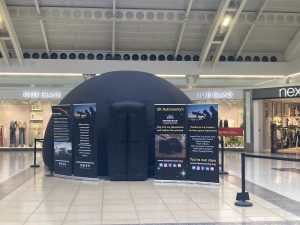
<point>168,181</point>
<point>223,173</point>
<point>185,182</point>
<point>77,178</point>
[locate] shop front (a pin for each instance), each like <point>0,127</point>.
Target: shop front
<point>24,115</point>
<point>231,112</point>
<point>277,119</point>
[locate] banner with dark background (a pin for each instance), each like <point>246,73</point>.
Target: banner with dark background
<point>203,155</point>
<point>170,142</point>
<point>84,140</point>
<point>62,136</point>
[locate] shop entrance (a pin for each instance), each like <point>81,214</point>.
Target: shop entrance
<point>127,141</point>
<point>281,125</point>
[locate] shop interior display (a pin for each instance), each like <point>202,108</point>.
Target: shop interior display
<point>283,124</point>
<point>230,115</point>
<point>36,123</point>
<point>21,121</point>
<point>116,87</point>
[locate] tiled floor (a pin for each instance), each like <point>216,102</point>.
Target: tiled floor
<point>40,200</point>
<point>12,163</point>
<point>260,172</point>
<point>50,200</point>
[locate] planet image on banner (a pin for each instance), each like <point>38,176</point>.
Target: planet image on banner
<point>170,145</point>
<point>117,87</point>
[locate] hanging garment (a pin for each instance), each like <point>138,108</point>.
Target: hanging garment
<point>1,136</point>
<point>21,136</point>
<point>12,132</point>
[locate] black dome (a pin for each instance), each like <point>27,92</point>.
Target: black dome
<point>113,87</point>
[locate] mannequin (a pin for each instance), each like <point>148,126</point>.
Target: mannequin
<point>220,123</point>
<point>12,133</point>
<point>22,129</point>
<point>225,123</point>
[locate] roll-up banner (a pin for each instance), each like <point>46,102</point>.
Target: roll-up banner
<point>203,156</point>
<point>62,137</point>
<point>170,142</point>
<point>84,140</point>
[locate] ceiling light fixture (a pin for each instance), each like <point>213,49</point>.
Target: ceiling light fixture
<point>265,82</point>
<point>226,21</point>
<point>171,75</point>
<point>293,75</point>
<point>39,74</point>
<point>242,76</point>
<point>1,22</point>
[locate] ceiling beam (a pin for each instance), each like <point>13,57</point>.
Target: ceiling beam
<point>293,49</point>
<point>187,12</point>
<point>113,41</point>
<point>213,30</point>
<point>37,6</point>
<point>228,33</point>
<point>4,37</point>
<point>11,31</point>
<point>260,11</point>
<point>38,9</point>
<point>4,52</point>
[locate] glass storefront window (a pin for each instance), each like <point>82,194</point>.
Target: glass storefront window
<point>281,125</point>
<point>231,114</point>
<point>21,121</point>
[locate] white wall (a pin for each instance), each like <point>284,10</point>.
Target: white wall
<point>258,125</point>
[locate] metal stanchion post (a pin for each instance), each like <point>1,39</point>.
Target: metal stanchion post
<point>222,157</point>
<point>242,198</point>
<point>34,156</point>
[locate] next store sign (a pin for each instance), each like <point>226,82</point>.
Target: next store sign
<point>280,92</point>
<point>291,92</point>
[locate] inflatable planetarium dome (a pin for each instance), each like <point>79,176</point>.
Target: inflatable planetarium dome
<point>116,87</point>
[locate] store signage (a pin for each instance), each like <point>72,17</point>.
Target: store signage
<point>278,92</point>
<point>214,94</point>
<point>290,92</point>
<point>231,131</point>
<point>203,154</point>
<point>42,94</point>
<point>170,142</point>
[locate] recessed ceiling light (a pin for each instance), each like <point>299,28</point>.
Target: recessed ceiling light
<point>226,21</point>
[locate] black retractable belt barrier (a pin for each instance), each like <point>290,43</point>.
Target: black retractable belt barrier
<point>34,165</point>
<point>242,198</point>
<point>222,172</point>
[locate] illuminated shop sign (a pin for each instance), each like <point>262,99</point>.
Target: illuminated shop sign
<point>290,92</point>
<point>278,92</point>
<point>214,95</point>
<point>42,94</point>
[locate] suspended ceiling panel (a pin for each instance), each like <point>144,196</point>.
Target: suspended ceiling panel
<point>149,25</point>
<point>283,6</point>
<point>136,36</point>
<point>265,39</point>
<point>63,3</point>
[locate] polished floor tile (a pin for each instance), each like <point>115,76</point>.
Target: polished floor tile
<point>55,201</point>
